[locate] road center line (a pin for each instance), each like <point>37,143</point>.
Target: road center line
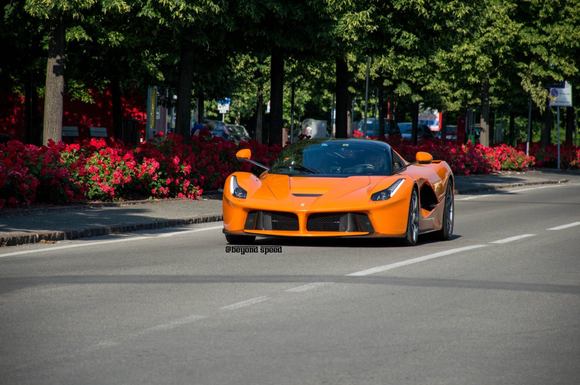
<point>308,286</point>
<point>380,269</point>
<point>248,302</point>
<point>173,324</point>
<point>512,239</point>
<point>157,328</point>
<point>562,227</point>
<point>99,243</point>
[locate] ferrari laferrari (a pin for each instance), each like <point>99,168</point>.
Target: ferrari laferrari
<point>340,188</point>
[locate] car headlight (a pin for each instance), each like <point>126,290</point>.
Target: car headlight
<point>387,193</point>
<point>236,190</point>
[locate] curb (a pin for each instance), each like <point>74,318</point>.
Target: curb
<point>482,189</point>
<point>21,238</point>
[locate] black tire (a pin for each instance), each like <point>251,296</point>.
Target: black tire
<point>448,215</point>
<point>412,235</point>
<point>240,239</point>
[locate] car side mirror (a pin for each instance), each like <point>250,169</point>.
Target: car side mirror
<point>423,157</point>
<point>245,153</point>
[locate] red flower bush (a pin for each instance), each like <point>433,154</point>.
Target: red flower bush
<point>548,156</point>
<point>31,174</point>
<point>172,166</point>
<point>467,159</point>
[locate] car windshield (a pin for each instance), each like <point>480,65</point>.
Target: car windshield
<point>405,127</point>
<point>334,158</point>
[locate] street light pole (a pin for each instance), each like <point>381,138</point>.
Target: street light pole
<point>558,133</point>
<point>292,96</point>
<point>367,93</point>
<point>529,126</point>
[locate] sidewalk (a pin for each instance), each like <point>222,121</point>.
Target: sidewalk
<point>38,224</point>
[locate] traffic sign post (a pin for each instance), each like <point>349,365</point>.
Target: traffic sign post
<point>560,97</point>
<point>224,107</point>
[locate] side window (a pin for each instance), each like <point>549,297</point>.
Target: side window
<point>398,162</point>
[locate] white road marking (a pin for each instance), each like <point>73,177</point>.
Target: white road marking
<point>104,345</point>
<point>248,302</point>
<point>98,243</point>
<point>174,324</point>
<point>55,248</point>
<point>380,269</point>
<point>562,227</point>
<point>468,198</point>
<point>165,235</point>
<point>308,286</point>
<point>157,328</point>
<point>512,239</point>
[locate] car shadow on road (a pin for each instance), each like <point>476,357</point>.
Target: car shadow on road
<point>350,242</point>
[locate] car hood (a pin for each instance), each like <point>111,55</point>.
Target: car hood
<point>308,192</point>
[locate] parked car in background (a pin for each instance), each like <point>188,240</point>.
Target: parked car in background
<point>237,133</point>
<point>448,132</point>
<point>232,132</point>
<point>371,129</point>
<point>217,128</point>
<point>315,129</point>
<point>423,131</point>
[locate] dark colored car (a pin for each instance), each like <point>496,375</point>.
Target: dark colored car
<point>371,129</point>
<point>449,132</point>
<point>423,131</point>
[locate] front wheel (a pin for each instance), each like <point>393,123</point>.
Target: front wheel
<point>448,215</point>
<point>240,239</point>
<point>412,235</point>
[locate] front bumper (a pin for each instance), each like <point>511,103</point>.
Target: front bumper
<point>376,219</point>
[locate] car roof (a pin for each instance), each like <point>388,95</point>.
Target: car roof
<point>364,142</point>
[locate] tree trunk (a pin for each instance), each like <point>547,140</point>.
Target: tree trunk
<point>545,138</point>
<point>492,133</point>
<point>570,120</point>
<point>341,98</point>
<point>33,133</point>
<point>276,97</point>
<point>484,137</point>
<point>259,135</point>
<point>200,107</point>
<point>512,128</point>
<point>415,122</point>
<point>183,116</point>
<point>381,97</point>
<point>117,107</point>
<point>54,88</point>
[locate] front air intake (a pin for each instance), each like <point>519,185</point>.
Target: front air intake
<point>339,222</point>
<point>271,220</point>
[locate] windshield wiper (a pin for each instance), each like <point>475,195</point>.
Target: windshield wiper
<point>304,168</point>
<point>298,167</point>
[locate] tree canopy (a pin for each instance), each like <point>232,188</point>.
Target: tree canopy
<point>447,54</point>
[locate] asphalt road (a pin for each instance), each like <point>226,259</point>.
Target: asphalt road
<point>498,304</point>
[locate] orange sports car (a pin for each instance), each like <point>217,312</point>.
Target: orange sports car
<point>340,188</point>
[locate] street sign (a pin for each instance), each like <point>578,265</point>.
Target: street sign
<point>561,97</point>
<point>224,105</point>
